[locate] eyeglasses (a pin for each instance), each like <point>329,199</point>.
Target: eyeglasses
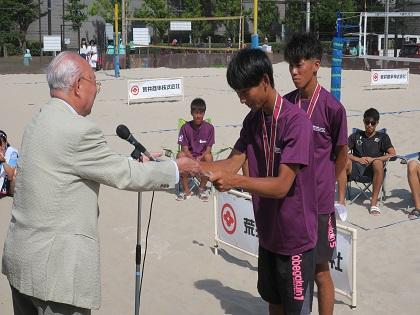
<point>370,122</point>
<point>98,84</point>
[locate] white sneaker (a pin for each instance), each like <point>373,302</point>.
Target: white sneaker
<point>203,195</point>
<point>183,196</point>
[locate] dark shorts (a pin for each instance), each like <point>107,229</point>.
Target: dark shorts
<point>28,305</point>
<point>360,171</point>
<point>326,246</point>
<point>287,280</point>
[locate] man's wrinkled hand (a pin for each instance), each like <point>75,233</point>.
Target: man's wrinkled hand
<point>187,166</point>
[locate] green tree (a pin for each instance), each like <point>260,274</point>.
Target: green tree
<point>155,9</point>
<point>268,17</point>
<point>228,8</point>
<point>8,28</point>
<point>76,14</point>
<point>400,24</point>
<point>324,13</point>
<point>295,16</point>
<point>15,18</point>
<point>194,8</point>
<point>103,8</point>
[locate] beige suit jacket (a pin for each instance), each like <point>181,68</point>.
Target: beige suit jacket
<point>51,250</point>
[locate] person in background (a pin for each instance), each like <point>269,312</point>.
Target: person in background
<point>27,57</point>
<point>83,49</point>
<point>196,139</point>
<point>229,43</point>
<point>413,175</point>
<point>303,53</point>
<point>92,54</point>
<point>8,160</point>
<point>370,150</point>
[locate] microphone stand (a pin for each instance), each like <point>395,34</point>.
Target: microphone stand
<point>138,256</point>
<point>136,155</point>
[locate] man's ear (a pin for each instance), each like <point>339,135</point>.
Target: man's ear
<point>316,65</point>
<point>266,80</point>
<point>76,87</point>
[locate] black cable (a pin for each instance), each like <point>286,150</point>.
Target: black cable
<point>147,236</point>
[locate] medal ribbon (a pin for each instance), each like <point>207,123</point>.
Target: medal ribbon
<point>312,102</point>
<point>269,147</point>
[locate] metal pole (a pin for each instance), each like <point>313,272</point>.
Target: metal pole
<point>116,43</point>
<point>308,16</point>
<point>240,28</point>
<point>386,28</point>
<point>39,30</point>
<point>49,17</point>
<point>64,31</point>
<point>254,37</point>
<point>123,29</point>
<point>138,256</point>
<point>365,48</point>
<point>336,62</point>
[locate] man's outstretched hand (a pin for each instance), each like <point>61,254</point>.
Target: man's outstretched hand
<point>187,166</point>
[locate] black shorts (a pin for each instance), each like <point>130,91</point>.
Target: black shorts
<point>287,280</point>
<point>360,172</point>
<point>326,246</point>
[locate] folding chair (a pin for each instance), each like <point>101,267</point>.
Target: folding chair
<point>364,183</point>
<point>405,158</point>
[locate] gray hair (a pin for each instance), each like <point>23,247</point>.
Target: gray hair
<point>63,71</point>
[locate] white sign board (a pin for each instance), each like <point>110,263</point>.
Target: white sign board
<point>155,88</point>
<point>141,36</point>
<point>235,226</point>
<point>109,31</point>
<point>52,43</point>
<point>342,264</point>
<point>389,76</point>
<point>236,223</point>
<point>180,26</point>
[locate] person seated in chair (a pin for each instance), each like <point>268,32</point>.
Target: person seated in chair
<point>196,138</point>
<point>370,150</point>
<point>8,160</point>
<point>413,175</point>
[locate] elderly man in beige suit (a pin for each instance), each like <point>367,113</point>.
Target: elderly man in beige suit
<point>51,252</point>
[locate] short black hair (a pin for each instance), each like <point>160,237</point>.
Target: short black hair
<point>198,104</point>
<point>247,68</point>
<point>3,136</point>
<point>371,113</point>
<point>302,46</point>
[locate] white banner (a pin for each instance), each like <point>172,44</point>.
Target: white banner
<point>180,25</point>
<point>52,43</point>
<point>342,264</point>
<point>141,36</point>
<point>235,227</point>
<point>155,88</point>
<point>109,31</point>
<point>236,223</point>
<point>389,76</point>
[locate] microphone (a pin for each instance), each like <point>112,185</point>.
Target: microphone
<point>124,133</point>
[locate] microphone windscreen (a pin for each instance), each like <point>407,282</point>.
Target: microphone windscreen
<point>123,132</point>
